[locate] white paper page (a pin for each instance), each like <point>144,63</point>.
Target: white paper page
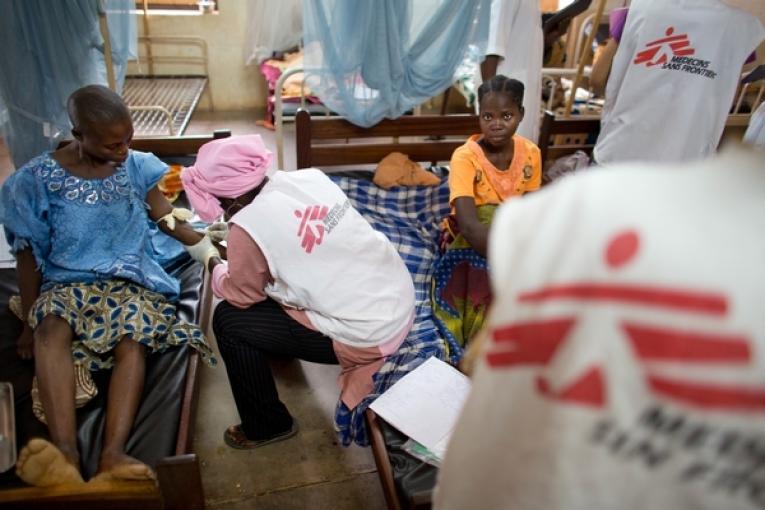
<point>425,403</point>
<point>6,258</point>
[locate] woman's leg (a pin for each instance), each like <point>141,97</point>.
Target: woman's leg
<point>42,463</point>
<point>125,389</point>
<point>246,338</point>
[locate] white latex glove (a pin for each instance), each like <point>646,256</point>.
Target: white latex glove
<point>218,231</point>
<point>203,251</point>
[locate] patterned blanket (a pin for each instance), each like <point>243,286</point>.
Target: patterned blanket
<point>409,217</point>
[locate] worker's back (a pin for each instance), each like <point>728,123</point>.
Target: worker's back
<point>626,364</point>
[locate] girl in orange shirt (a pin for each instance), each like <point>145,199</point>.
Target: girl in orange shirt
<point>488,169</point>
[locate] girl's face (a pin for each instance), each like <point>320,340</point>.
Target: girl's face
<point>108,143</point>
<point>499,118</point>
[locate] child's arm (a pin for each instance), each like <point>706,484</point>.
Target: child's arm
<point>30,280</point>
<point>471,228</point>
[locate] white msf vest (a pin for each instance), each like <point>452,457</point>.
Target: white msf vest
<point>629,374</point>
<point>326,259</point>
<point>673,79</point>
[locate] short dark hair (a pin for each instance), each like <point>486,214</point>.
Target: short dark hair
<point>95,105</point>
<point>501,83</point>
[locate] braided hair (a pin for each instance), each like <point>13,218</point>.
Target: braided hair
<point>501,83</point>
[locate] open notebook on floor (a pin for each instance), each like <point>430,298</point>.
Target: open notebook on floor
<point>425,404</point>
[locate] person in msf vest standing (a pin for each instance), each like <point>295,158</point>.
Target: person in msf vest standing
<point>674,76</point>
<point>306,276</point>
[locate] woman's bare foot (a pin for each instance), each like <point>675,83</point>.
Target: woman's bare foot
<point>119,466</point>
<point>42,464</point>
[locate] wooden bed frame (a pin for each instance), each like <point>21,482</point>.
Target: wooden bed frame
<point>339,152</point>
<point>179,484</point>
<point>553,131</point>
<point>308,130</point>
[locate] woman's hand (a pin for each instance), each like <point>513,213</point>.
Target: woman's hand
<point>218,231</point>
<point>203,251</point>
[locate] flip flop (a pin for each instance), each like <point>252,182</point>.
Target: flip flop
<point>231,439</point>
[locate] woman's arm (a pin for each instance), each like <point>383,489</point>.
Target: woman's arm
<point>242,282</point>
<point>471,228</point>
<point>160,207</point>
<point>601,68</point>
<point>30,280</point>
<point>489,67</point>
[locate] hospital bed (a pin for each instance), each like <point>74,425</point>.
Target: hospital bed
<point>285,75</point>
<point>410,218</point>
<point>161,104</point>
<point>164,425</point>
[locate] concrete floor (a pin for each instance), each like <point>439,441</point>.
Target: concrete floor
<point>309,471</point>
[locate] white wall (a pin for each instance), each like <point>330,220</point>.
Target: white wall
<point>234,85</point>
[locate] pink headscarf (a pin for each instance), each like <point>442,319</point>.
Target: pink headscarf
<point>225,168</point>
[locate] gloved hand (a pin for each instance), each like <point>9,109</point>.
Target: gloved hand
<point>203,251</point>
<point>218,231</point>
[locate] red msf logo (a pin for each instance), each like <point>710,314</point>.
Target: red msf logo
<point>652,55</point>
<point>536,343</point>
<point>311,230</point>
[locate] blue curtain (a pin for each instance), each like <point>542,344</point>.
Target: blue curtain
<point>123,35</point>
<point>372,59</point>
<point>48,49</point>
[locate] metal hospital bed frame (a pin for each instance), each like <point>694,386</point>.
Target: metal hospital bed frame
<point>279,115</point>
<point>162,104</point>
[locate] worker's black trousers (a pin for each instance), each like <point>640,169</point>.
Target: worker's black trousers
<point>247,338</point>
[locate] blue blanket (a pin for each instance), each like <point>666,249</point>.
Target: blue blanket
<point>410,218</point>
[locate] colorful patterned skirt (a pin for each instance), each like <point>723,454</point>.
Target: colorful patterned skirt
<point>102,313</point>
<point>461,291</point>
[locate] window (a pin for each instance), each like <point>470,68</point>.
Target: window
<point>177,6</point>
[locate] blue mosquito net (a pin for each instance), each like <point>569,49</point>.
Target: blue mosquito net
<point>48,49</point>
<point>374,59</point>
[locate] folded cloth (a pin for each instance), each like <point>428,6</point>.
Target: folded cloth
<point>170,185</point>
<point>396,169</point>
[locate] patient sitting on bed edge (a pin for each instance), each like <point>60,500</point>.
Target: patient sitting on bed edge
<point>490,168</point>
<point>80,222</point>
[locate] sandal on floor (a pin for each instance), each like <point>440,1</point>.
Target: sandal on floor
<point>235,438</point>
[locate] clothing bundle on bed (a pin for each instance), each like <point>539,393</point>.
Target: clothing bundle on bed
<point>409,217</point>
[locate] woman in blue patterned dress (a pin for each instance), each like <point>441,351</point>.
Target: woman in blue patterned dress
<point>80,221</point>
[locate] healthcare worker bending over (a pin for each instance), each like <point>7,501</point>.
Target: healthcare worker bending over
<point>306,277</point>
<point>629,374</point>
